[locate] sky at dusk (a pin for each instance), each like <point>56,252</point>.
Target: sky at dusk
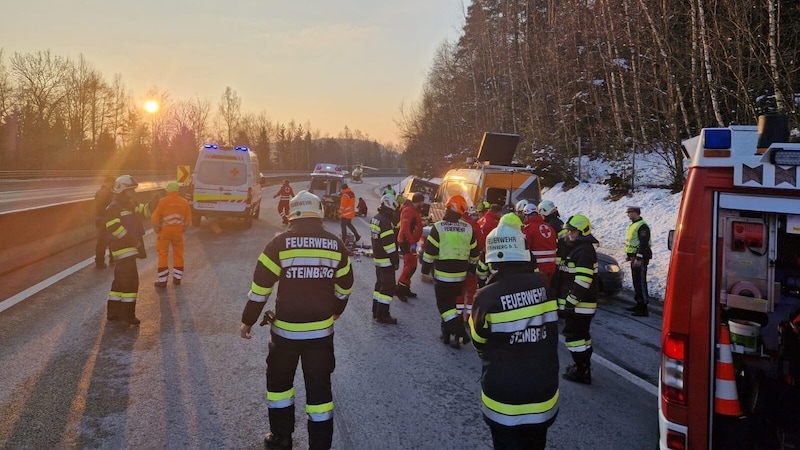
<point>338,63</point>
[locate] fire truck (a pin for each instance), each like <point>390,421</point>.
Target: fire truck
<point>730,359</point>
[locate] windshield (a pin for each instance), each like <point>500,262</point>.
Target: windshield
<point>222,173</point>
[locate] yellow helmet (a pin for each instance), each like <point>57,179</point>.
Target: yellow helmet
<point>305,205</point>
<point>511,220</point>
<point>172,186</point>
<point>580,223</point>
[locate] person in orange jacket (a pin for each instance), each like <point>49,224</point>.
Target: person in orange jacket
<point>347,211</point>
<point>542,241</point>
<point>170,219</point>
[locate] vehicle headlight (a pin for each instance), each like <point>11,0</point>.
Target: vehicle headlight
<point>612,268</point>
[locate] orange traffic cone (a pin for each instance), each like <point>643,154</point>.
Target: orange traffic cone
<point>726,398</point>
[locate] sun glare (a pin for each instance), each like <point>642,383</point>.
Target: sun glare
<point>151,106</point>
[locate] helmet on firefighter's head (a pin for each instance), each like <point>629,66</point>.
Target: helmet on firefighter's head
<point>506,244</point>
<point>580,223</point>
<point>305,205</point>
<point>389,202</point>
<point>511,220</point>
<point>530,209</point>
<point>417,198</point>
<point>546,207</point>
<point>172,186</point>
<point>123,183</point>
<point>457,203</point>
<point>520,206</point>
<point>483,206</point>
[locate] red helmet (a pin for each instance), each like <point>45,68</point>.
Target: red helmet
<point>457,204</point>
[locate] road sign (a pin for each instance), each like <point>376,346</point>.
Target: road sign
<point>183,174</point>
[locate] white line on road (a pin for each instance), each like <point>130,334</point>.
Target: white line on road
<point>42,285</point>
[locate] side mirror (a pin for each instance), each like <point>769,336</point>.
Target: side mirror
<point>670,239</point>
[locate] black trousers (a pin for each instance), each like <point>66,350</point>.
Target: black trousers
<point>576,329</point>
<point>316,356</point>
<point>521,437</point>
<point>447,295</point>
<point>347,223</point>
<point>385,284</point>
<point>639,278</point>
<point>125,286</point>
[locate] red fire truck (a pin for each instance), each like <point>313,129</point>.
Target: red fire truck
<point>730,368</point>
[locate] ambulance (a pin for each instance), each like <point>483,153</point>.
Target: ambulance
<point>226,182</point>
<point>490,177</point>
<point>730,356</point>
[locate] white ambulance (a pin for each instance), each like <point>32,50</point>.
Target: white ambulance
<point>226,183</point>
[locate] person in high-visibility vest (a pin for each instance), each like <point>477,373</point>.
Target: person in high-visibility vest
<point>170,218</point>
<point>347,211</point>
<point>102,198</point>
<point>451,251</point>
<point>637,249</point>
<point>386,259</point>
<point>314,275</point>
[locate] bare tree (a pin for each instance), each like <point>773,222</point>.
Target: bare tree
<point>230,113</point>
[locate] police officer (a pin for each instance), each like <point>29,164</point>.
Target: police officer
<point>451,251</point>
<point>170,218</point>
<point>314,276</point>
<point>637,249</point>
<point>126,232</point>
<point>576,291</point>
<point>385,257</point>
<point>514,327</point>
<point>285,193</point>
<point>102,198</point>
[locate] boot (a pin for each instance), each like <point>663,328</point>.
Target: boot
<point>384,316</point>
<point>400,292</point>
<point>573,373</point>
<point>456,328</point>
<point>465,339</point>
<point>632,308</point>
<point>113,310</point>
<point>640,310</point>
<point>277,441</point>
<point>445,337</point>
<point>374,309</point>
<point>410,294</point>
<point>129,313</point>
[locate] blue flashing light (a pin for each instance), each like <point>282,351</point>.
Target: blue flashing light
<point>211,146</point>
<point>242,148</point>
<point>719,139</point>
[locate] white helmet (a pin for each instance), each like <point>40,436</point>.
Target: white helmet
<point>388,201</point>
<point>305,205</point>
<point>520,208</point>
<point>546,207</point>
<point>123,183</point>
<point>506,244</point>
<point>530,209</point>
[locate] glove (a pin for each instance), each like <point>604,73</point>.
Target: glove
<point>636,263</point>
<point>405,248</point>
<point>571,302</point>
<point>628,257</point>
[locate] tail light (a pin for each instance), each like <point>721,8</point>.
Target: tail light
<point>249,195</point>
<point>673,365</point>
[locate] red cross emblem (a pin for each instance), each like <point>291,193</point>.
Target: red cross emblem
<point>235,172</point>
<point>545,231</point>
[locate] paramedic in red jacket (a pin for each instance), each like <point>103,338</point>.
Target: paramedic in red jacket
<point>407,239</point>
<point>285,193</point>
<point>489,221</point>
<point>542,241</point>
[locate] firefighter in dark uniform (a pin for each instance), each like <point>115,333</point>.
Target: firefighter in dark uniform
<point>451,251</point>
<point>514,327</point>
<point>284,195</point>
<point>314,276</point>
<point>126,232</point>
<point>386,259</point>
<point>576,291</point>
<point>102,198</point>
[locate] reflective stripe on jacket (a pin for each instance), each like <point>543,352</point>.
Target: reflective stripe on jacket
<point>451,247</point>
<point>124,227</point>
<point>637,240</point>
<point>172,211</point>
<point>384,240</point>
<point>347,205</point>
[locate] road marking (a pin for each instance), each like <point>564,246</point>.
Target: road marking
<point>633,379</point>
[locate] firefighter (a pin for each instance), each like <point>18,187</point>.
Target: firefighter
<point>577,295</point>
<point>514,327</point>
<point>314,276</point>
<point>126,232</point>
<point>549,211</point>
<point>284,194</point>
<point>102,198</point>
<point>638,252</point>
<point>347,211</point>
<point>542,240</point>
<point>170,218</point>
<point>385,257</point>
<point>407,239</point>
<point>451,251</point>
<point>467,296</point>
